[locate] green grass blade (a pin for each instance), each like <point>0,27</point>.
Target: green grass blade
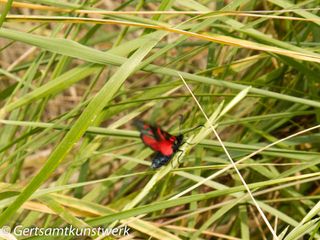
<point>84,121</point>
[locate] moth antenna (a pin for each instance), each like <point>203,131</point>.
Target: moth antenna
<point>194,128</point>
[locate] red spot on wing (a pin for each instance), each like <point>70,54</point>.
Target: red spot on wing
<point>166,148</point>
<point>165,136</point>
<point>151,142</point>
<point>161,134</point>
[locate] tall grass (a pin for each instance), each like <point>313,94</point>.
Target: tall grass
<point>75,74</point>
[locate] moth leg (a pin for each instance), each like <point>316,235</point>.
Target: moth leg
<point>190,144</point>
<point>179,157</point>
<point>171,164</point>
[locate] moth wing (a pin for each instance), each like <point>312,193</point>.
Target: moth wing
<point>151,142</point>
<point>155,138</point>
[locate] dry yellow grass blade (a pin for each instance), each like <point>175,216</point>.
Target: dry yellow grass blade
<point>171,12</point>
<point>306,56</point>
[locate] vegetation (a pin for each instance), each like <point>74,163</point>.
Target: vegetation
<point>75,74</point>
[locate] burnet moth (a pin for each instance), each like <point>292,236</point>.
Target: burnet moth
<point>164,144</point>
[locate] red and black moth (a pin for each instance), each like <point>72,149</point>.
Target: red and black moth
<point>164,144</point>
